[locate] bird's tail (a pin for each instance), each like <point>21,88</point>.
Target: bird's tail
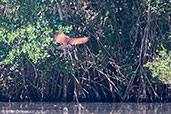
<point>64,46</point>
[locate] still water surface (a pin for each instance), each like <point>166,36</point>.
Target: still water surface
<point>85,108</point>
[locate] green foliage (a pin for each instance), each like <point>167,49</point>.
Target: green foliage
<point>30,42</point>
<point>26,34</point>
<point>161,67</point>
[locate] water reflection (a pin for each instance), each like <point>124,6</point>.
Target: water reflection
<point>85,108</point>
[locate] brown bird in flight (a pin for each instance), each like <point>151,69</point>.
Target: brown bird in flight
<point>62,38</point>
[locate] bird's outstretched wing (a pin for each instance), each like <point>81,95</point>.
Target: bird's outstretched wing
<point>75,41</point>
<point>62,38</point>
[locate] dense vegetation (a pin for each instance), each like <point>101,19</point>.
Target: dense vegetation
<point>128,56</point>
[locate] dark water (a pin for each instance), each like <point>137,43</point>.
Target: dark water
<point>85,108</point>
